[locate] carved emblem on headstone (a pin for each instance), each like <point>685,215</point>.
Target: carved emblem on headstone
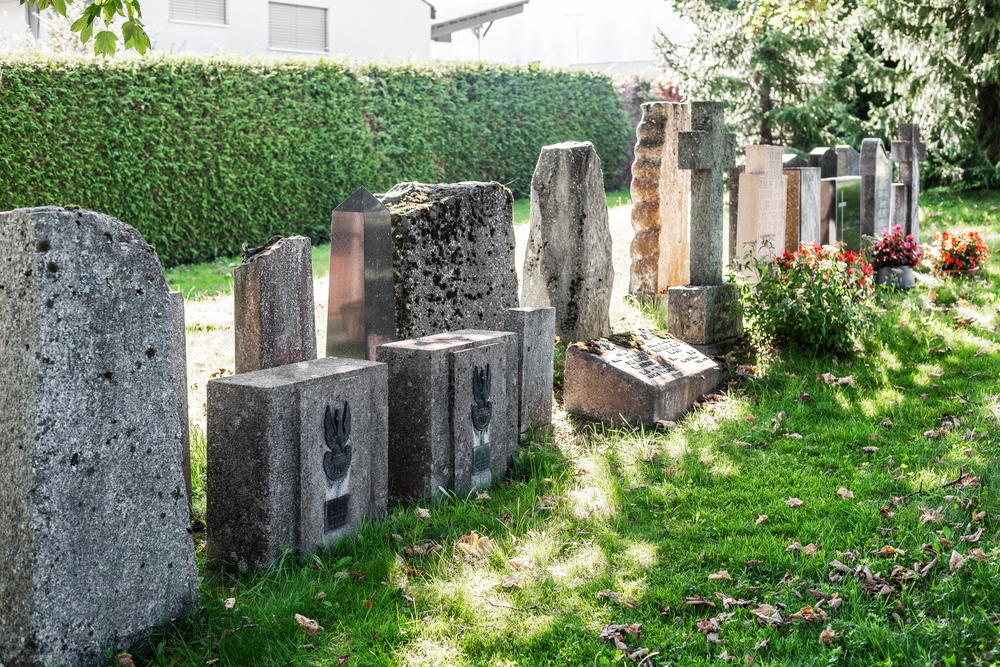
<point>482,409</point>
<point>337,431</point>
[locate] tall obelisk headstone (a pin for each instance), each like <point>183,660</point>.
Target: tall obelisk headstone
<point>876,187</point>
<point>763,190</point>
<point>909,152</point>
<point>701,313</point>
<point>568,264</point>
<point>660,198</point>
<point>94,543</point>
<point>274,308</point>
<point>362,310</point>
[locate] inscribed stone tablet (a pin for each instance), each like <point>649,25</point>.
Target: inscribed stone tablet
<point>763,190</point>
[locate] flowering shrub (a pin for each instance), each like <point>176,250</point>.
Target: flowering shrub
<point>895,250</point>
<point>818,298</point>
<point>958,252</point>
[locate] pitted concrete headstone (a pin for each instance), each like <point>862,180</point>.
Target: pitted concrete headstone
<point>641,377</point>
<point>94,543</point>
<point>568,264</point>
<point>274,311</point>
<point>661,195</point>
<point>840,212</point>
<point>452,411</point>
<point>876,188</point>
<point>825,159</point>
<point>763,189</point>
<point>297,457</point>
<point>535,329</point>
<point>180,382</point>
<point>708,151</point>
<point>848,161</point>
<point>802,206</point>
<point>909,151</point>
<point>453,256</point>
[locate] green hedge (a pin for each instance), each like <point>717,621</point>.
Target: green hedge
<point>202,154</point>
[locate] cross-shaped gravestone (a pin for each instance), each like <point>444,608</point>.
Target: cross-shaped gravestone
<point>708,151</point>
<point>909,152</point>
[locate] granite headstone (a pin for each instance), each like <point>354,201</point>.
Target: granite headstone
<point>825,159</point>
<point>535,329</point>
<point>763,192</point>
<point>876,187</point>
<point>848,161</point>
<point>840,209</point>
<point>908,152</point>
<point>802,206</point>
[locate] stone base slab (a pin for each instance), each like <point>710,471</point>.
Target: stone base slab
<point>704,314</point>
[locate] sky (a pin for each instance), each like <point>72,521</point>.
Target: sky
<point>609,31</point>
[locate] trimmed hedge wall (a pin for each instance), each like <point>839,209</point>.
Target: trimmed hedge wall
<point>202,154</point>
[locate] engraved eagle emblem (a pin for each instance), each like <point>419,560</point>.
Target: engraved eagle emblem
<point>482,409</point>
<point>337,432</point>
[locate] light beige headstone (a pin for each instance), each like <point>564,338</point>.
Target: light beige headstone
<point>660,195</point>
<point>763,192</point>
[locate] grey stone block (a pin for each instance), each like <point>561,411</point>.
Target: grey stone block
<point>453,256</point>
<point>94,548</point>
<point>876,188</point>
<point>274,313</point>
<point>433,440</point>
<point>649,379</point>
<point>287,466</point>
<point>180,383</point>
<point>567,264</point>
<point>535,361</point>
<point>704,315</point>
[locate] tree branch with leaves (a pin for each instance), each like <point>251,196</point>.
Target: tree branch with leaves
<point>97,20</point>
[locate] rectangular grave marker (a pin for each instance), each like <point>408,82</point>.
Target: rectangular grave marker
<point>825,159</point>
<point>535,329</point>
<point>802,220</point>
<point>848,161</point>
<point>876,188</point>
<point>908,152</point>
<point>763,189</point>
<point>840,205</point>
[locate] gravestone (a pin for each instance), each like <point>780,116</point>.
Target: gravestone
<point>908,152</point>
<point>763,189</point>
<point>94,548</point>
<point>900,205</point>
<point>642,377</point>
<point>179,333</point>
<point>452,411</point>
<point>840,210</point>
<point>535,329</point>
<point>453,256</point>
<point>568,264</point>
<point>297,457</point>
<point>876,188</point>
<point>826,160</point>
<point>848,161</point>
<point>802,206</point>
<point>661,195</point>
<point>733,176</point>
<point>274,312</point>
<point>700,313</point>
<point>793,161</point>
<point>362,309</point>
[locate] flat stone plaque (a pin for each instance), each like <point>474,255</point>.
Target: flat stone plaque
<point>651,378</point>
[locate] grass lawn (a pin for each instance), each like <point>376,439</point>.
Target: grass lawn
<point>717,537</point>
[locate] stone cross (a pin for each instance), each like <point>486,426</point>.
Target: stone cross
<point>909,152</point>
<point>708,151</point>
<point>763,192</point>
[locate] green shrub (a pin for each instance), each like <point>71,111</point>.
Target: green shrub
<point>202,154</point>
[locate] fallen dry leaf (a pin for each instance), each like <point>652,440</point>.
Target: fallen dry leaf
<point>887,422</point>
<point>367,604</point>
<point>793,502</point>
<point>580,473</point>
<point>709,625</point>
<point>810,549</point>
<point>974,537</point>
<point>930,515</point>
<point>869,450</point>
<point>125,660</point>
<point>793,547</point>
<point>810,614</point>
<point>833,380</point>
<point>483,496</point>
<point>728,602</point>
<point>426,549</point>
<point>423,513</point>
<point>474,545</point>
<point>309,626</point>
<point>956,561</point>
<point>762,643</point>
<point>888,551</point>
<point>978,554</point>
<point>845,493</point>
<point>615,634</point>
<point>886,512</point>
<point>342,659</point>
<point>230,603</point>
<point>761,519</point>
<point>979,516</point>
<point>968,480</point>
<point>698,601</point>
<point>827,636</point>
<point>804,397</point>
<point>750,419</point>
<point>510,581</point>
<point>521,563</point>
<point>721,574</point>
<point>213,661</point>
<point>617,599</point>
<point>765,613</point>
<point>321,595</point>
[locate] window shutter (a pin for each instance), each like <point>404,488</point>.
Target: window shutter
<point>297,28</point>
<point>199,11</point>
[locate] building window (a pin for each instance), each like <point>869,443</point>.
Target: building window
<point>297,28</point>
<point>199,11</point>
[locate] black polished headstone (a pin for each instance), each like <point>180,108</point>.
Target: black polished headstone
<point>840,211</point>
<point>826,159</point>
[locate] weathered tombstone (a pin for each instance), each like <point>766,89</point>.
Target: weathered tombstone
<point>535,329</point>
<point>362,309</point>
<point>733,176</point>
<point>840,209</point>
<point>763,189</point>
<point>702,313</point>
<point>179,332</point>
<point>793,161</point>
<point>876,187</point>
<point>453,256</point>
<point>802,206</point>
<point>661,195</point>
<point>274,312</point>
<point>848,161</point>
<point>826,160</point>
<point>642,377</point>
<point>909,152</point>
<point>297,457</point>
<point>901,206</point>
<point>568,264</point>
<point>452,411</point>
<point>94,548</point>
